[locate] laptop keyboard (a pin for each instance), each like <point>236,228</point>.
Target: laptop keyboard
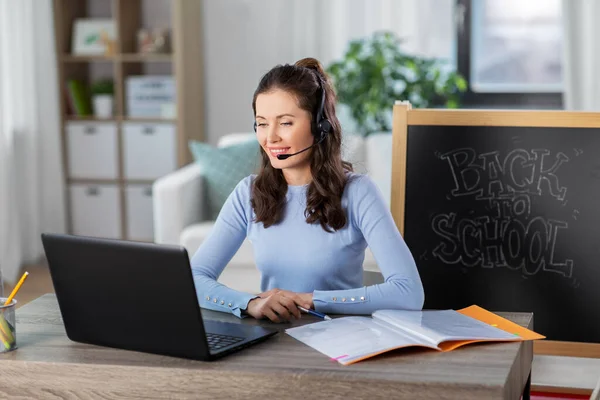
<point>217,342</point>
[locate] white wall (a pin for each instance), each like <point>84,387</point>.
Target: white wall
<point>240,45</point>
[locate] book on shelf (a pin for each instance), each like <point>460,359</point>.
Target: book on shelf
<point>351,339</point>
<point>78,98</point>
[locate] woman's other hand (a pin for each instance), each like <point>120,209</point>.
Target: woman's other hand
<point>301,299</point>
<point>275,306</point>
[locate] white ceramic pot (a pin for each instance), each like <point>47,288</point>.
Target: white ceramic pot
<point>103,106</point>
<point>379,161</point>
<point>353,151</point>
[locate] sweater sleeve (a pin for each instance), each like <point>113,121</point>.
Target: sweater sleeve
<point>223,241</point>
<point>402,288</point>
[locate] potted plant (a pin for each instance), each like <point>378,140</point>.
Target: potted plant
<point>102,98</point>
<point>375,72</point>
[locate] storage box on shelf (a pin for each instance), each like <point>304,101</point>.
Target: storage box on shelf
<point>95,210</point>
<point>93,150</point>
<point>150,96</point>
<point>139,206</point>
<point>149,150</point>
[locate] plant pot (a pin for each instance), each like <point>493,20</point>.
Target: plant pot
<point>379,161</point>
<point>353,151</point>
<point>103,106</point>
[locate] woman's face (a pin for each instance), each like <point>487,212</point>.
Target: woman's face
<point>283,128</point>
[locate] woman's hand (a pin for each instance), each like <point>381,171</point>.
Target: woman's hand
<point>302,299</point>
<point>274,306</point>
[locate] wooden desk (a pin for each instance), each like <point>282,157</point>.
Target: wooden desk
<point>48,363</point>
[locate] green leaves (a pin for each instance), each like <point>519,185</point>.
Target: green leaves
<point>374,73</point>
<point>102,86</point>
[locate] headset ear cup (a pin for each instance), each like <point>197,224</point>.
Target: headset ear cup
<point>316,130</point>
<point>325,127</point>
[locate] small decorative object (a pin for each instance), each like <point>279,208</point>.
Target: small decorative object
<point>93,37</point>
<point>144,41</point>
<point>102,98</point>
<point>157,41</point>
<point>109,44</point>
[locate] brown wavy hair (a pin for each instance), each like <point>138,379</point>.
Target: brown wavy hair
<point>328,170</point>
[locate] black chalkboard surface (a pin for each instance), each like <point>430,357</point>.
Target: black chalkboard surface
<point>508,218</point>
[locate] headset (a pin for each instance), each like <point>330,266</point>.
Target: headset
<point>320,127</point>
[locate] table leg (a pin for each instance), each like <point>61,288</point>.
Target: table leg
<point>527,388</point>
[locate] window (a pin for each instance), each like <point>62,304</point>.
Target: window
<point>510,51</point>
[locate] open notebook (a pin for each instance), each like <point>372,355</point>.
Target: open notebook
<point>351,339</point>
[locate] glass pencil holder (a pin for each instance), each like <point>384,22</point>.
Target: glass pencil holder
<point>8,331</point>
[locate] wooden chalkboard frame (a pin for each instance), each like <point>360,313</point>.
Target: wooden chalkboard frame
<point>404,116</point>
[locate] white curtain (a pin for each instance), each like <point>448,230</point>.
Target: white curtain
<point>322,29</point>
<point>31,183</point>
<point>582,54</point>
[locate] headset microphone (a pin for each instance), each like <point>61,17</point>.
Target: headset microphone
<point>286,156</point>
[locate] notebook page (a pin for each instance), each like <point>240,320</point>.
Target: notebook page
<point>350,339</point>
<point>442,325</point>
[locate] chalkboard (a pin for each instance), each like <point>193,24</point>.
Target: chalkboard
<point>506,217</point>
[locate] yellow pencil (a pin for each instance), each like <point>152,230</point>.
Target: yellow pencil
<point>16,289</point>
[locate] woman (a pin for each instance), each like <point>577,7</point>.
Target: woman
<point>307,215</point>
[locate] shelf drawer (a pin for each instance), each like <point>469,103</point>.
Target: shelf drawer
<point>150,150</point>
<point>92,150</point>
<point>140,223</point>
<point>95,210</point>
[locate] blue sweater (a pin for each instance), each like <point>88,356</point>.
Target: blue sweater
<point>300,257</point>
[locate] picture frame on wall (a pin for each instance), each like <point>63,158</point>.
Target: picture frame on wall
<point>93,36</point>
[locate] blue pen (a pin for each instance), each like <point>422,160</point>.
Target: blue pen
<point>315,313</point>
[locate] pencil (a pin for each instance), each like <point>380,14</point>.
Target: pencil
<point>6,332</point>
<point>16,289</point>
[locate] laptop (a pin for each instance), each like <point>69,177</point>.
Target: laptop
<point>137,296</point>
